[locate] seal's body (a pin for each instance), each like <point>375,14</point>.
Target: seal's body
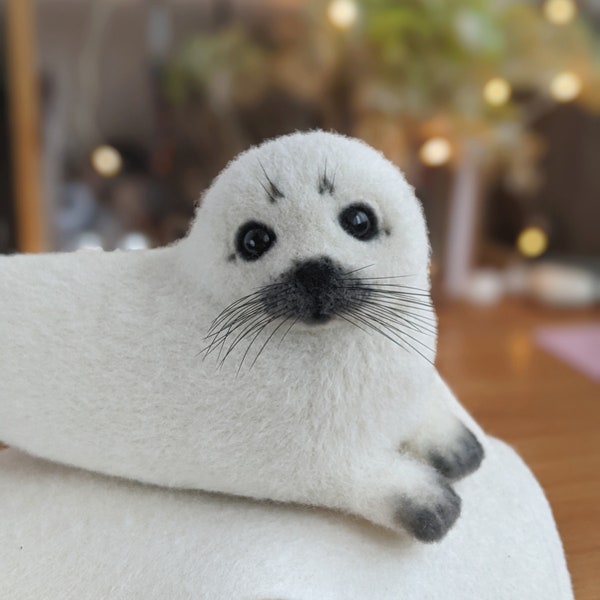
<point>282,350</point>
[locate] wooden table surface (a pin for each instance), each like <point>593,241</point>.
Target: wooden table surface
<point>546,410</point>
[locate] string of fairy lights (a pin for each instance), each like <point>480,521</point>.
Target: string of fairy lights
<point>436,151</point>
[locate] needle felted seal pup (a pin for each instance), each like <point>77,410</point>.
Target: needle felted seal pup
<point>283,350</point>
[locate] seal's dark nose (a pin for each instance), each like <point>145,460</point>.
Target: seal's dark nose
<point>316,276</point>
<point>312,291</point>
<point>315,289</point>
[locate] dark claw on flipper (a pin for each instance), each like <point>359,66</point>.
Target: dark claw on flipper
<point>430,522</point>
<point>461,459</point>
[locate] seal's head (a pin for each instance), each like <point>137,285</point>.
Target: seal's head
<point>309,228</point>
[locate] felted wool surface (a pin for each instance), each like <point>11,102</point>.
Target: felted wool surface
<point>67,533</point>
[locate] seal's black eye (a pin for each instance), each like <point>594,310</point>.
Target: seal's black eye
<point>254,239</point>
<point>359,221</point>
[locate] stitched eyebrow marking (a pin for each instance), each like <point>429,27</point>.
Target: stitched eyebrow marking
<point>273,192</point>
<point>326,184</point>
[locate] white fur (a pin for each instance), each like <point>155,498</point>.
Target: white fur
<point>71,534</point>
<point>100,362</point>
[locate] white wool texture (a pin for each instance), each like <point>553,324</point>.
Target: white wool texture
<point>66,533</point>
<point>101,365</point>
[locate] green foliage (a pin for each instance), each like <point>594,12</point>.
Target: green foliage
<point>411,59</point>
<point>437,55</point>
<point>229,59</point>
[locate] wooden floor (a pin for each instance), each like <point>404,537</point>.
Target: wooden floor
<point>546,410</point>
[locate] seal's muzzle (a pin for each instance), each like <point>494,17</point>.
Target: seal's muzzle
<point>314,291</point>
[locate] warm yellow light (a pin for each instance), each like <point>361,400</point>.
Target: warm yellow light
<point>106,161</point>
<point>342,13</point>
<point>435,152</point>
<point>565,86</point>
<point>496,91</point>
<point>532,242</point>
<point>560,12</point>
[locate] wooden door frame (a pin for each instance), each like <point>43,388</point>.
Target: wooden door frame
<point>23,101</point>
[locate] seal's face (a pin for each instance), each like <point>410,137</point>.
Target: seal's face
<point>309,229</point>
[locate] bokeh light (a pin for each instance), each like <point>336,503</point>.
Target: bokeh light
<point>436,152</point>
<point>134,241</point>
<point>497,91</point>
<point>342,13</point>
<point>89,241</point>
<point>560,12</point>
<point>106,161</point>
<point>565,86</point>
<point>532,242</point>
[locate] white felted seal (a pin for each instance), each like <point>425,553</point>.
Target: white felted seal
<point>282,351</point>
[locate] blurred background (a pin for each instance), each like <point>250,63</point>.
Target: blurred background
<point>116,114</point>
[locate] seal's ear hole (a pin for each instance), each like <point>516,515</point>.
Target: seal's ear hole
<point>253,239</point>
<point>359,221</point>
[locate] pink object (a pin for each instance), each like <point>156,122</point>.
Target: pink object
<point>577,345</point>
